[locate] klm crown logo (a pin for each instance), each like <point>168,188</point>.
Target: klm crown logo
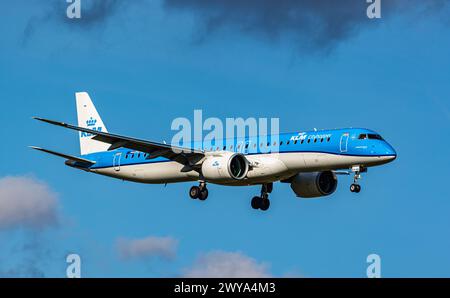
<point>91,122</point>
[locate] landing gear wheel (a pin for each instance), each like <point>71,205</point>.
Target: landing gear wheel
<point>194,192</point>
<point>255,202</point>
<point>355,188</point>
<point>203,194</point>
<point>264,204</point>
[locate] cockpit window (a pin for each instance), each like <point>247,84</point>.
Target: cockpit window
<point>373,136</point>
<point>370,136</point>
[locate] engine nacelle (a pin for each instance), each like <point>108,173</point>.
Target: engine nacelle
<point>314,184</point>
<point>225,167</point>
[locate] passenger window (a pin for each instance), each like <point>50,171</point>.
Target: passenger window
<point>315,140</point>
<point>309,140</point>
<point>295,142</point>
<point>287,143</point>
<point>321,140</point>
<point>224,147</point>
<point>281,143</point>
<point>246,146</point>
<point>328,139</point>
<point>302,141</point>
<point>268,144</point>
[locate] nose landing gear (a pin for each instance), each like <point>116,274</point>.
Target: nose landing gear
<point>357,170</point>
<point>199,192</point>
<point>262,202</point>
<point>355,188</point>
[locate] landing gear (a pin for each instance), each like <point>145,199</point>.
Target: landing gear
<point>262,202</point>
<point>199,192</point>
<point>355,187</point>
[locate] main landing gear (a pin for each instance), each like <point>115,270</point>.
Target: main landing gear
<point>262,202</point>
<point>199,192</point>
<point>357,170</point>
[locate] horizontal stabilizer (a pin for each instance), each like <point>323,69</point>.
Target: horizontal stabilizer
<point>69,157</point>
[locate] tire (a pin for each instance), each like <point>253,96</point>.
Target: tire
<point>256,202</point>
<point>358,188</point>
<point>194,192</point>
<point>353,187</point>
<point>265,204</point>
<point>203,194</point>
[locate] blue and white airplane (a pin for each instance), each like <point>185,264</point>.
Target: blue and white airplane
<point>308,160</point>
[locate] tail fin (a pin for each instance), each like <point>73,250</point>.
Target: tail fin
<point>88,117</point>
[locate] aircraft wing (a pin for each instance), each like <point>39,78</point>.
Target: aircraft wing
<point>185,156</point>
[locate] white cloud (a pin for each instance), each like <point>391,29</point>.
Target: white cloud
<point>159,247</point>
<point>227,264</point>
<point>26,202</point>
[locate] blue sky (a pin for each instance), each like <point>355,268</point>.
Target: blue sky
<point>145,65</point>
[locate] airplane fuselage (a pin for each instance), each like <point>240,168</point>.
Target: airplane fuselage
<point>280,157</point>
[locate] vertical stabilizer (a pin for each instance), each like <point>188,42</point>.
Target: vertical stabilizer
<point>88,117</point>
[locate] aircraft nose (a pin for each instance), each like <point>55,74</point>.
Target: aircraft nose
<point>392,157</point>
<point>390,152</point>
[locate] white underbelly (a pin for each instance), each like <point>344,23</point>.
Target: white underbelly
<point>272,167</point>
<point>158,172</point>
<point>316,161</point>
